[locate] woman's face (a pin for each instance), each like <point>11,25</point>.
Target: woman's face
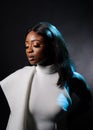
<point>34,44</point>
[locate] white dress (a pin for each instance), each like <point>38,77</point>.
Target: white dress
<point>35,100</point>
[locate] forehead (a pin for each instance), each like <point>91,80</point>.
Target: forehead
<point>34,36</point>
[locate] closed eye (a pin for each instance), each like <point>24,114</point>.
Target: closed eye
<point>36,46</point>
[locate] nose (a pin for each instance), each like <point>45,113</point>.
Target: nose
<point>30,49</point>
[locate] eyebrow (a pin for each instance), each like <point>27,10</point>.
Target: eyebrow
<point>33,40</point>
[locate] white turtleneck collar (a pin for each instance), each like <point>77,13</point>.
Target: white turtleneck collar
<point>50,69</point>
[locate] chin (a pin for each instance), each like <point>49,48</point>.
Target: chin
<point>32,63</point>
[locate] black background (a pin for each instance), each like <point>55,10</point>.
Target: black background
<point>73,18</point>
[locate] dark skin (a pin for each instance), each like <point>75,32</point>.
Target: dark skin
<point>35,48</point>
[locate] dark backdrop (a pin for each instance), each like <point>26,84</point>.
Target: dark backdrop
<point>73,18</point>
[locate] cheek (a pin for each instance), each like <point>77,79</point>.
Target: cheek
<point>39,54</point>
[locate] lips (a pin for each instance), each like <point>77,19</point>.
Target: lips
<point>30,58</point>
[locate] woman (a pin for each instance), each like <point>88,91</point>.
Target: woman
<point>40,95</point>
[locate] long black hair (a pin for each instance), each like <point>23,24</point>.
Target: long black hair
<point>56,49</point>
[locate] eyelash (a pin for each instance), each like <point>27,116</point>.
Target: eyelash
<point>36,46</point>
